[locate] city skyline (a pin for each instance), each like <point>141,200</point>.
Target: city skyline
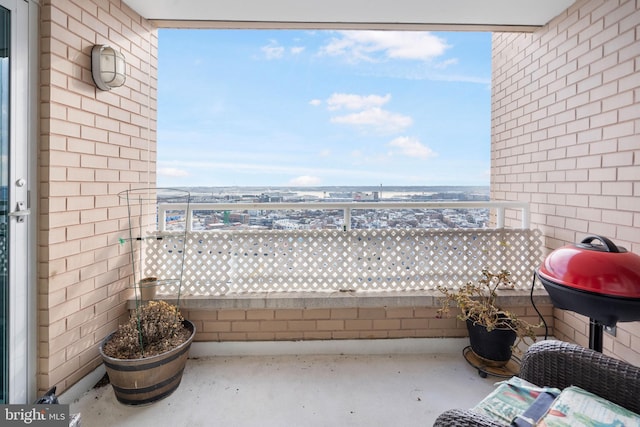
<point>323,108</point>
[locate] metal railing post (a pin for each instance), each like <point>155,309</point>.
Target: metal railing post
<point>162,218</point>
<point>347,219</point>
<point>189,223</point>
<point>500,217</point>
<point>525,217</point>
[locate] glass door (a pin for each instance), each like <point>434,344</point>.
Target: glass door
<point>5,34</point>
<point>17,297</point>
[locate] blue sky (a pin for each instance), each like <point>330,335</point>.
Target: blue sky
<point>320,108</point>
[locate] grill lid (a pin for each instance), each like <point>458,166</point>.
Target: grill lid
<point>602,268</point>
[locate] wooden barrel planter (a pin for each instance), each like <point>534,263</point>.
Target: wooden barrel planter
<point>149,379</point>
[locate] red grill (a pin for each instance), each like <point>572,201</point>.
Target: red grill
<point>594,278</point>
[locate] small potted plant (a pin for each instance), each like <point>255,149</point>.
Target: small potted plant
<point>145,357</point>
<point>493,332</point>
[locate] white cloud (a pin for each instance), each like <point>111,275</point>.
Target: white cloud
<point>273,50</point>
<point>325,153</point>
<point>456,78</point>
<point>374,46</point>
<point>356,102</point>
<point>173,172</point>
<point>305,180</point>
<point>204,172</point>
<point>411,147</point>
<point>315,102</point>
<point>379,119</point>
<point>368,112</point>
<point>446,63</point>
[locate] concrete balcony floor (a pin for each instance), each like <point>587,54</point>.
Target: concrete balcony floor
<point>368,383</point>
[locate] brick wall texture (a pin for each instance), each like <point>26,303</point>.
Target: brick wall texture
<point>92,145</point>
<point>339,323</point>
<point>565,138</point>
<point>566,135</point>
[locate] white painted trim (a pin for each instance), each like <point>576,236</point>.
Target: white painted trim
<point>509,13</point>
<point>76,391</point>
<point>33,185</point>
<point>329,347</point>
<point>22,290</point>
<point>452,346</point>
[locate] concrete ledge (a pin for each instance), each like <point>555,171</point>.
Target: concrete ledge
<point>74,392</point>
<point>288,300</point>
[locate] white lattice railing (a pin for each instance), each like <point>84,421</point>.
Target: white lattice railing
<point>229,262</point>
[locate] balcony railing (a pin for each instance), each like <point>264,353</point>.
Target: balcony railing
<point>347,207</point>
<point>376,260</point>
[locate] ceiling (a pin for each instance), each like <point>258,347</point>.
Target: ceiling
<point>488,15</point>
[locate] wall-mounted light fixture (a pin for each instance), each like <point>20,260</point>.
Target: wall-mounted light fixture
<point>107,67</point>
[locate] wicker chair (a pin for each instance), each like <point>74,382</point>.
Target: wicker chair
<point>560,364</point>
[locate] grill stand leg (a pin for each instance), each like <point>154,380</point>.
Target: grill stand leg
<point>596,331</point>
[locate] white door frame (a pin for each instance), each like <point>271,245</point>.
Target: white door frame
<point>21,183</point>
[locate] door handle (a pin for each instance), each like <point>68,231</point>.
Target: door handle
<point>20,212</point>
